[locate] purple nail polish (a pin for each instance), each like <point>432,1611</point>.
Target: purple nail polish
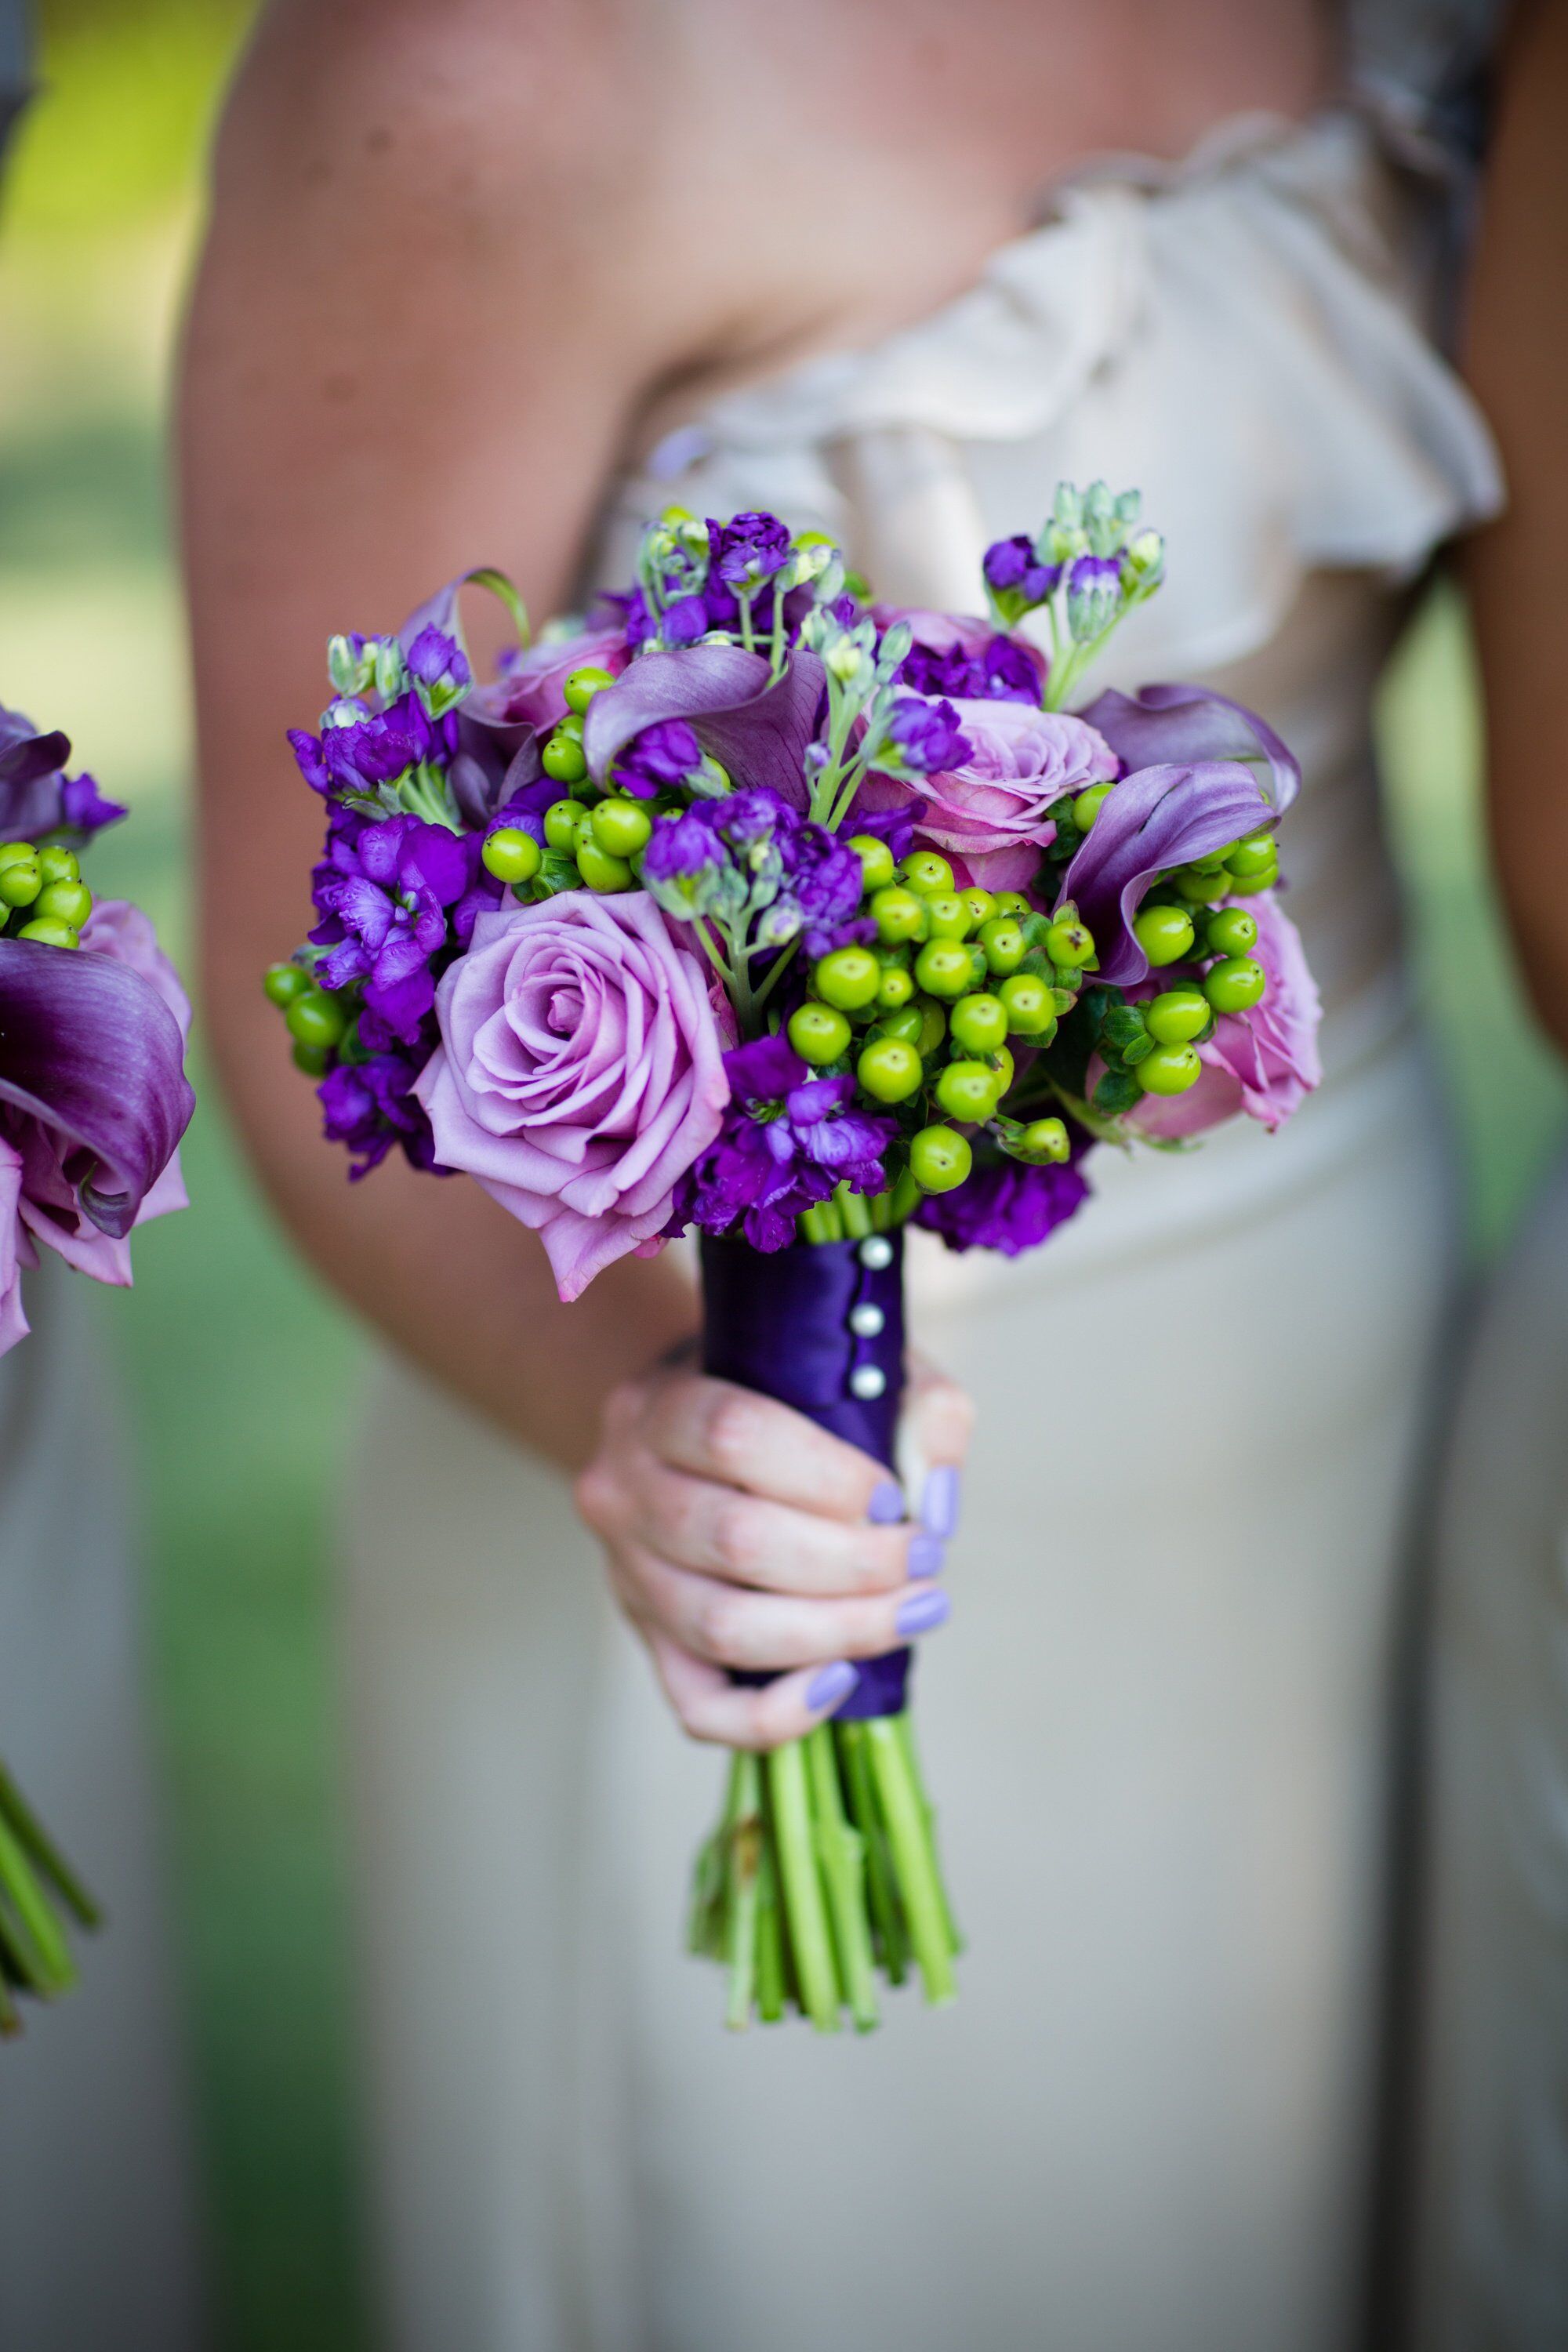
<point>939,1502</point>
<point>887,1505</point>
<point>832,1686</point>
<point>926,1554</point>
<point>925,1612</point>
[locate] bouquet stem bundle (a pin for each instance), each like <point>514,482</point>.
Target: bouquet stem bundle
<point>34,1957</point>
<point>822,1869</point>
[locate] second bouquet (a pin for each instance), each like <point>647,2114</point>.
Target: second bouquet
<point>748,906</point>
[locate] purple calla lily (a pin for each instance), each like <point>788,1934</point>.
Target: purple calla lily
<point>1183,724</point>
<point>36,797</point>
<point>92,1064</point>
<point>757,727</point>
<point>1161,817</point>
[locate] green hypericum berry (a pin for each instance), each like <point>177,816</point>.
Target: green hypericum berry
<point>284,982</point>
<point>1002,945</point>
<point>59,864</point>
<point>923,871</point>
<point>561,758</point>
<point>876,860</point>
<point>561,819</point>
<point>896,987</point>
<point>933,1028</point>
<point>1254,855</point>
<point>570,729</point>
<point>1031,1008</point>
<point>908,1023</point>
<point>981,903</point>
<point>818,1033</point>
<point>20,883</point>
<point>1085,809</point>
<point>1237,984</point>
<point>978,1023</point>
<point>940,1159</point>
<point>889,1070</point>
<point>1014,903</point>
<point>1231,931</point>
<point>849,978</point>
<point>947,915</point>
<point>47,933</point>
<point>1169,1070</point>
<point>967,1090</point>
<point>1165,934</point>
<point>312,1059</point>
<point>16,853</point>
<point>316,1019</point>
<point>65,902</point>
<point>1071,943</point>
<point>1199,888</point>
<point>899,915</point>
<point>1002,1067</point>
<point>943,967</point>
<point>1247,886</point>
<point>511,855</point>
<point>581,685</point>
<point>1178,1016</point>
<point>600,870</point>
<point>622,827</point>
<point>1046,1137</point>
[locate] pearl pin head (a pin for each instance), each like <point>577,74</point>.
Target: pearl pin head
<point>877,1252</point>
<point>867,1382</point>
<point>867,1322</point>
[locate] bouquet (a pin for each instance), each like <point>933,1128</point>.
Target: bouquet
<point>93,1102</point>
<point>747,905</point>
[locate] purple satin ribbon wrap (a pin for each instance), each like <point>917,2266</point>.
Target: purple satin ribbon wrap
<point>779,1321</point>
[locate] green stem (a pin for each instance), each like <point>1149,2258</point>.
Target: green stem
<point>880,1890</point>
<point>906,1197</point>
<point>36,1842</point>
<point>770,1940</point>
<point>881,1212</point>
<point>30,1927</point>
<point>801,1881</point>
<point>814,1223</point>
<point>905,1724</point>
<point>902,1809</point>
<point>855,1212</point>
<point>743,1859</point>
<point>842,1860</point>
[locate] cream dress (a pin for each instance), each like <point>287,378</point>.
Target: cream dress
<point>1160,1725</point>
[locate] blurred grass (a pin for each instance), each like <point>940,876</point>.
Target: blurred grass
<point>238,1369</point>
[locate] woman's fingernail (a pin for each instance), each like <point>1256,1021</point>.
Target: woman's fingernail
<point>921,1613</point>
<point>887,1506</point>
<point>926,1554</point>
<point>833,1685</point>
<point>939,1502</point>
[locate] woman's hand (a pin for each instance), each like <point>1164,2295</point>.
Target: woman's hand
<point>739,1534</point>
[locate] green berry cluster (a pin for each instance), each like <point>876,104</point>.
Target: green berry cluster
<point>319,1021</point>
<point>928,1015</point>
<point>592,839</point>
<point>42,895</point>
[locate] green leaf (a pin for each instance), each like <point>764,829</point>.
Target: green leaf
<point>1138,1051</point>
<point>1117,1091</point>
<point>1123,1027</point>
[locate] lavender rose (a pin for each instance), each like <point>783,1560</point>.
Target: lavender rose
<point>1265,1062</point>
<point>992,812</point>
<point>580,1073</point>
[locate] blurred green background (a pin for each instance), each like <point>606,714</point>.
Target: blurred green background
<point>241,1372</point>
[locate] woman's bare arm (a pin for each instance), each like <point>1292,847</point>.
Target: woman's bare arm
<point>1517,569</point>
<point>417,330</point>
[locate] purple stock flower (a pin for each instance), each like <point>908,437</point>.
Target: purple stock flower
<point>928,735</point>
<point>1006,1205</point>
<point>438,665</point>
<point>1016,574</point>
<point>383,893</point>
<point>787,1139</point>
<point>1002,671</point>
<point>361,748</point>
<point>749,858</point>
<point>1094,593</point>
<point>657,761</point>
<point>368,1107</point>
<point>36,796</point>
<point>749,549</point>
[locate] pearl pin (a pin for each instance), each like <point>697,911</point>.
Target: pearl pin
<point>877,1252</point>
<point>868,1381</point>
<point>867,1322</point>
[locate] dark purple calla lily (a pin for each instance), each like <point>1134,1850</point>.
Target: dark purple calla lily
<point>1161,816</point>
<point>755,726</point>
<point>90,1052</point>
<point>1183,724</point>
<point>36,797</point>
